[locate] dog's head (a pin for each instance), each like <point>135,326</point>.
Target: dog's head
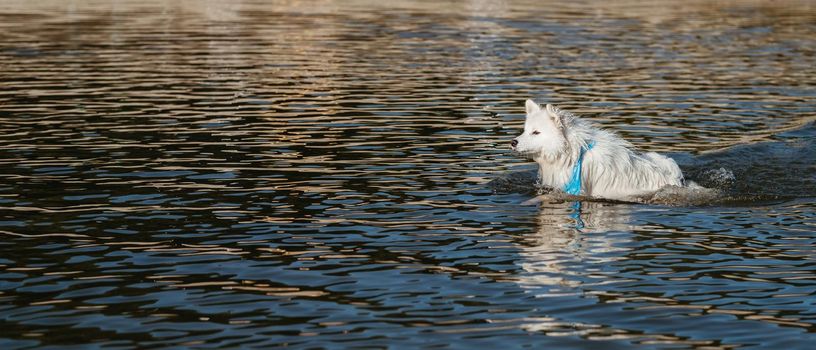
<point>544,132</point>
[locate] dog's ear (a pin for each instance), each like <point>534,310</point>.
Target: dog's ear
<point>531,107</point>
<point>557,116</point>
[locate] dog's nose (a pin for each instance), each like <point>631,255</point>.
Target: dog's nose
<point>513,143</point>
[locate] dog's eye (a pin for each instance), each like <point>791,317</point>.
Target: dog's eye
<point>535,132</point>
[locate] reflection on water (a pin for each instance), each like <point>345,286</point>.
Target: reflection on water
<point>567,235</point>
<point>315,174</point>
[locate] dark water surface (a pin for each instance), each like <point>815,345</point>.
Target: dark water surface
<point>316,174</point>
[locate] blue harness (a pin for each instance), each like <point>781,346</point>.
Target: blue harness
<point>573,187</point>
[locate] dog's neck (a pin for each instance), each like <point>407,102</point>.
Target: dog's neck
<point>555,172</point>
<point>559,171</point>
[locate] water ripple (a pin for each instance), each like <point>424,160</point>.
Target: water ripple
<point>315,175</point>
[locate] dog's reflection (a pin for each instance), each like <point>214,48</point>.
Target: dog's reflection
<point>572,241</point>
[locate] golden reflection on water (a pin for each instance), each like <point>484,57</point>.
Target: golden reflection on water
<point>314,172</point>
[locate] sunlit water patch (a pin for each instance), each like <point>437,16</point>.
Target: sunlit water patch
<point>317,174</point>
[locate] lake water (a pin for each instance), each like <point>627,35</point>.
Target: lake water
<point>337,174</point>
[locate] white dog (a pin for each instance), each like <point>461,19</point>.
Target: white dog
<point>581,159</point>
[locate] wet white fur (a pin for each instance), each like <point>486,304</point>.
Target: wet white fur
<point>611,169</point>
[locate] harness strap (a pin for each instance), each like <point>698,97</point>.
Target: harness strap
<point>573,187</point>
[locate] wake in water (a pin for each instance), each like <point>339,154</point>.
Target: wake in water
<point>778,170</point>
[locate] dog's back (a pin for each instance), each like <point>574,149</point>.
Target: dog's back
<point>628,174</point>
